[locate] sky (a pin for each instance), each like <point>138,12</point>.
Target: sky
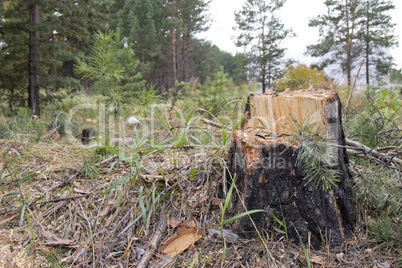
<point>294,14</point>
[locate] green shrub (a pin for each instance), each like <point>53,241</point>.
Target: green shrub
<point>5,132</point>
<point>380,122</point>
<point>90,169</point>
<point>378,190</point>
<point>383,230</point>
<point>24,126</point>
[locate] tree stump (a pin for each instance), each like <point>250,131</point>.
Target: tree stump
<point>264,154</point>
<point>85,136</point>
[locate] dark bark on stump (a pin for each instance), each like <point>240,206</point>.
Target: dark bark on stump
<point>268,178</point>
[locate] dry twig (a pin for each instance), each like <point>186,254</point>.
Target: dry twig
<point>160,230</point>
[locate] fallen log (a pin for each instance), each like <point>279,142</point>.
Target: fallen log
<point>264,159</point>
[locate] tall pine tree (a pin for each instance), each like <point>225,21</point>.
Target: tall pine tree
<point>14,36</point>
<point>141,22</point>
<point>33,84</point>
<point>48,36</point>
<point>261,32</point>
<point>162,33</point>
<point>377,30</point>
<point>339,31</point>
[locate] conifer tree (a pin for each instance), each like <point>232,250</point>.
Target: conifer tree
<point>378,34</point>
<point>162,33</point>
<point>141,23</point>
<point>262,32</point>
<point>193,21</point>
<point>64,27</point>
<point>14,53</point>
<point>339,31</point>
<point>111,67</point>
<point>353,29</point>
<point>240,62</point>
<point>33,86</point>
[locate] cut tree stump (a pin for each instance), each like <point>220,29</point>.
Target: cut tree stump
<point>264,158</point>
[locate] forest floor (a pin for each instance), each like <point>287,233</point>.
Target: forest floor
<point>55,212</point>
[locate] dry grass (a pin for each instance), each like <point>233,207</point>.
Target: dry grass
<point>74,225</point>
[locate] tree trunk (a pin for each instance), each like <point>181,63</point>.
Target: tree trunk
<point>185,57</point>
<point>349,62</point>
<point>269,74</point>
<point>367,64</point>
<point>263,156</point>
<point>348,47</point>
<point>367,44</point>
<point>173,45</point>
<point>33,87</point>
<point>367,52</point>
<point>263,77</point>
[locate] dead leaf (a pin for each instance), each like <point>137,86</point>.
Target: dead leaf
<point>174,222</point>
<point>318,260</point>
<point>105,211</point>
<point>8,264</point>
<point>79,188</point>
<point>217,201</point>
<point>181,242</point>
<point>185,229</point>
<point>227,234</point>
<point>201,199</point>
<point>261,263</point>
<point>190,224</point>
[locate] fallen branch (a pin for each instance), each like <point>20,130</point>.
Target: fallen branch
<point>367,150</point>
<point>372,159</point>
<point>107,160</point>
<point>116,157</point>
<point>214,124</point>
<point>64,182</point>
<point>57,200</point>
<point>153,245</point>
<point>386,148</point>
<point>46,202</point>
